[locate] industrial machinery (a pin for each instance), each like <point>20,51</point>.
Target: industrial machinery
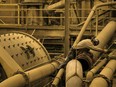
<point>25,61</point>
<point>24,53</point>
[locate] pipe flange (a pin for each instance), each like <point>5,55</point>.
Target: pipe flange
<point>107,80</point>
<point>27,84</point>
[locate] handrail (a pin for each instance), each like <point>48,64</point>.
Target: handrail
<point>20,17</point>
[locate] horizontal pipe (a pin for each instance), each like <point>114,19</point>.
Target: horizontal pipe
<point>108,72</point>
<point>74,74</point>
<point>92,72</point>
<point>56,5</point>
<point>58,78</point>
<point>33,75</point>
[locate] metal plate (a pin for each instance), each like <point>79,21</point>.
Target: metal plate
<point>13,43</point>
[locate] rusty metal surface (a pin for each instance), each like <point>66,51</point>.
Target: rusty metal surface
<point>13,44</point>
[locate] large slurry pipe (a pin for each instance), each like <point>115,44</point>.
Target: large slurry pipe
<point>74,74</point>
<point>95,69</point>
<point>105,76</point>
<point>20,80</point>
<point>104,36</point>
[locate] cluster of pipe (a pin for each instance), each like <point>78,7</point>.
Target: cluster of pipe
<point>104,36</point>
<point>104,79</point>
<point>74,67</point>
<point>73,77</point>
<point>25,78</point>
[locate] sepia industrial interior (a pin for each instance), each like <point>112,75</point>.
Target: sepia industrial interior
<point>36,37</point>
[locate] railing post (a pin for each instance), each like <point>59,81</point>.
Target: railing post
<point>96,30</point>
<point>18,14</point>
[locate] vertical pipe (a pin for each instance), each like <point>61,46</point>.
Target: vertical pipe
<point>74,74</point>
<point>67,24</point>
<point>18,14</point>
<point>41,14</point>
<point>83,10</point>
<point>104,36</point>
<point>96,30</point>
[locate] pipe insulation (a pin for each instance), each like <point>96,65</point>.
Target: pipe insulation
<point>74,74</point>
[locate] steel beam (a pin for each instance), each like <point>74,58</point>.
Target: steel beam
<point>67,24</point>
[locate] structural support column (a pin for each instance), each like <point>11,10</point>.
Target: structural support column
<point>83,10</point>
<point>67,24</point>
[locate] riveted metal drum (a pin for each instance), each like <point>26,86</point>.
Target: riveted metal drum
<point>26,50</point>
